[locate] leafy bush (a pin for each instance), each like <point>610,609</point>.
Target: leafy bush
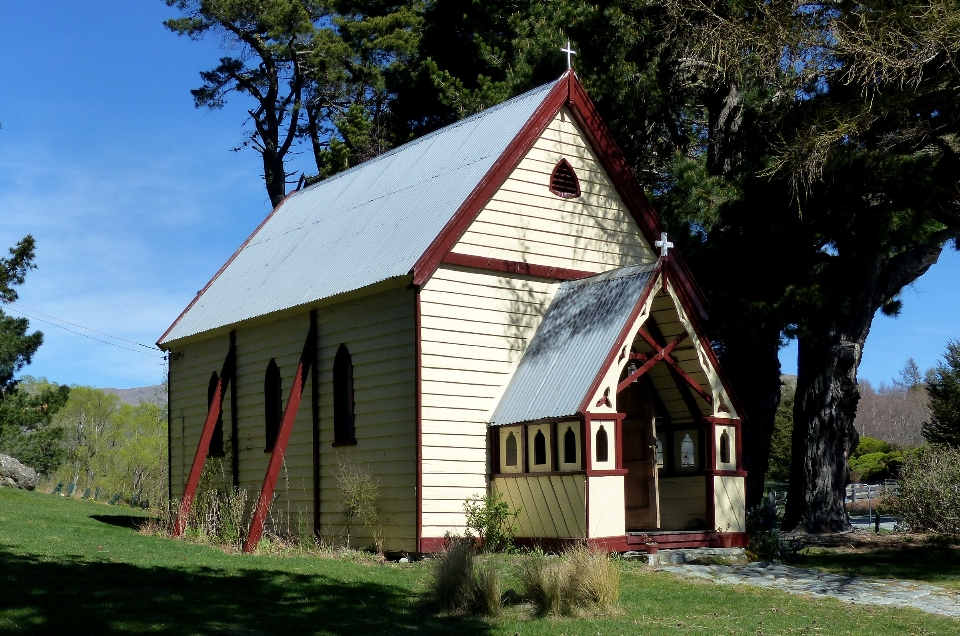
<point>874,467</point>
<point>359,493</point>
<point>869,446</point>
<point>493,521</point>
<point>763,526</point>
<point>578,580</point>
<point>929,497</point>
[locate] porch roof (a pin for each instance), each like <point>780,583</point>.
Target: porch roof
<point>582,325</point>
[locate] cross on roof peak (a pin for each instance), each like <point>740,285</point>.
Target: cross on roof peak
<point>663,244</point>
<point>570,52</point>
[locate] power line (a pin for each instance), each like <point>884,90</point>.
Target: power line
<point>112,344</point>
<point>73,324</point>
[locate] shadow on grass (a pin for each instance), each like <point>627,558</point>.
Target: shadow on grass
<point>122,521</point>
<point>933,562</point>
<point>73,596</point>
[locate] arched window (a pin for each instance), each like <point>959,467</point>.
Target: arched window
<point>686,452</point>
<point>343,405</point>
<point>659,452</point>
<point>216,440</point>
<point>511,450</point>
<point>569,447</point>
<point>601,444</point>
<point>539,449</point>
<point>724,448</point>
<point>272,404</point>
<point>563,181</point>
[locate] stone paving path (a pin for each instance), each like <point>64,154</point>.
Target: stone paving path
<point>850,589</point>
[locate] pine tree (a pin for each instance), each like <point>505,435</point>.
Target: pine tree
<point>943,387</point>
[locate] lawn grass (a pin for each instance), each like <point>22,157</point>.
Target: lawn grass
<point>78,567</point>
<point>918,558</point>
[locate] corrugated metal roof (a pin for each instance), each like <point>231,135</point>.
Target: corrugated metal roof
<point>577,333</point>
<point>360,227</point>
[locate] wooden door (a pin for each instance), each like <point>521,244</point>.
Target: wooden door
<point>641,494</point>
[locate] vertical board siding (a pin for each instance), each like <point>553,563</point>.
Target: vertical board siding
<point>379,331</point>
<point>474,328</point>
<point>683,502</point>
<point>608,515</point>
<point>730,502</point>
<point>525,222</point>
<point>550,506</point>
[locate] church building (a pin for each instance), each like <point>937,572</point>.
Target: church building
<point>491,308</point>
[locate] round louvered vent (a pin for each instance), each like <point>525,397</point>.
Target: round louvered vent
<point>563,180</point>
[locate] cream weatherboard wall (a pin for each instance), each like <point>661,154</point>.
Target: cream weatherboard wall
<point>475,325</point>
<point>380,332</point>
<point>525,222</point>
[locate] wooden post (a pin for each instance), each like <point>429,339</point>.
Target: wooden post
<point>203,446</point>
<point>283,436</point>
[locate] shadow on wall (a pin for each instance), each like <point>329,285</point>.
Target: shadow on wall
<point>76,596</point>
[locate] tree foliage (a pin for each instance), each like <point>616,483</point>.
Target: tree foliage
<point>943,387</point>
<point>315,70</point>
<point>114,446</point>
<point>27,431</point>
<point>17,347</point>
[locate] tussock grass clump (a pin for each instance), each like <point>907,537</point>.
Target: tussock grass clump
<point>451,582</point>
<point>460,582</point>
<point>487,591</point>
<point>579,580</point>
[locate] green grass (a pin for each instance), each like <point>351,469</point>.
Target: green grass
<point>927,560</point>
<point>78,567</point>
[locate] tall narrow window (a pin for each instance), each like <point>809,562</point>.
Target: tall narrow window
<point>272,404</point>
<point>569,447</point>
<point>563,181</point>
<point>686,452</point>
<point>601,444</point>
<point>724,448</point>
<point>511,450</point>
<point>539,449</point>
<point>343,405</point>
<point>216,440</point>
<point>659,452</point>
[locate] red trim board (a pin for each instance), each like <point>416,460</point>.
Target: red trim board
<point>419,425</point>
<point>304,366</point>
<point>227,371</point>
<point>491,182</point>
<point>514,267</point>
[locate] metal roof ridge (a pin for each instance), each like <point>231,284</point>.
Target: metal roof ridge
<point>417,141</point>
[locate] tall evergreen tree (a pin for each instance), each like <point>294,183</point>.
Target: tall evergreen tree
<point>943,387</point>
<point>17,347</point>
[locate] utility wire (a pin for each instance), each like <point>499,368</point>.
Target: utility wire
<point>73,324</point>
<point>113,344</point>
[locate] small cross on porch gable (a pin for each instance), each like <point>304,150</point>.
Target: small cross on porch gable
<point>663,244</point>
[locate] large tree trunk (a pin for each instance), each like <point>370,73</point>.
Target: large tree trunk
<point>754,371</point>
<point>823,432</point>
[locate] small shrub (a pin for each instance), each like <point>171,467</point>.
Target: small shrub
<point>493,520</point>
<point>763,526</point>
<point>579,580</point>
<point>451,575</point>
<point>929,496</point>
<point>359,493</point>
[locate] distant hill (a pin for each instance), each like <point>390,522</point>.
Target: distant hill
<point>137,395</point>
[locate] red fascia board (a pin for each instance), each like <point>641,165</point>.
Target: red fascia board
<point>491,182</point>
<point>680,277</point>
<point>624,332</point>
<point>225,266</point>
<point>514,267</point>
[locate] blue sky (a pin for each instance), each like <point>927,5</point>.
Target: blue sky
<point>136,199</point>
